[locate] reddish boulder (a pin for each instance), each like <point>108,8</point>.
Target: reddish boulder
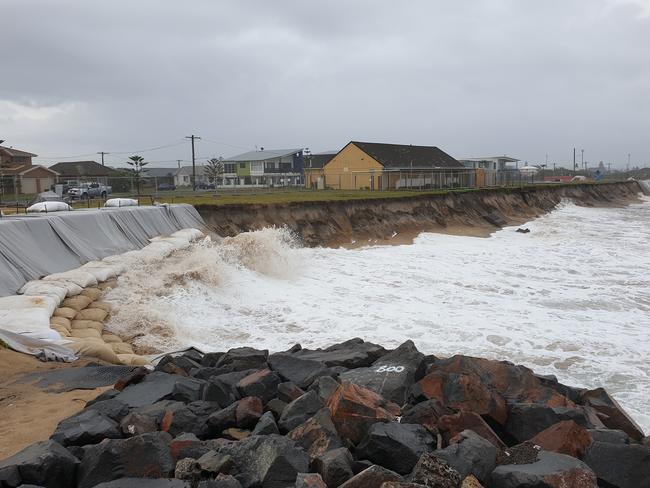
<point>450,426</point>
<point>616,418</point>
<point>426,414</point>
<point>354,409</point>
<point>317,435</point>
<point>310,480</point>
<point>262,384</point>
<point>465,392</point>
<point>565,437</point>
<point>248,412</point>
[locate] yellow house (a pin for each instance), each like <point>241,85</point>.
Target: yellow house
<point>378,166</point>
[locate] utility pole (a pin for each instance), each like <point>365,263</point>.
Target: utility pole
<point>179,163</point>
<point>628,161</point>
<point>574,159</point>
<point>193,138</point>
<point>103,153</point>
<point>582,158</point>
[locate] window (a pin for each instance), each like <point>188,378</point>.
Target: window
<point>242,165</point>
<point>229,168</point>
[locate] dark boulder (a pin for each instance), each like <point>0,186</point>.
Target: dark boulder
<point>212,463</point>
<point>616,418</point>
<point>392,375</point>
<point>187,469</point>
<point>221,481</point>
<point>269,461</point>
<point>210,359</point>
<point>526,420</point>
<point>143,456</point>
<point>450,426</point>
<point>222,419</point>
<point>177,365</point>
<point>385,440</point>
<point>262,384</point>
<point>354,353</point>
<point>464,392</point>
<point>143,483</point>
<point>433,472</point>
<point>426,413</point>
<point>188,445</point>
<point>243,358</point>
<point>620,465</point>
<point>266,425</point>
<point>324,386</point>
<point>372,477</point>
<point>354,409</point>
<point>317,435</point>
<point>276,407</point>
<point>159,386</point>
<point>137,423</point>
<point>299,410</point>
<point>334,466</point>
<point>609,435</point>
<point>179,419</point>
<point>87,427</point>
<point>218,389</point>
<point>111,408</point>
<point>471,455</point>
<point>46,463</point>
<point>134,377</point>
<point>297,370</point>
<point>550,470</point>
<point>288,391</point>
<point>107,395</point>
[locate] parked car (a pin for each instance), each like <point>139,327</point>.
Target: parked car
<point>205,186</point>
<point>86,191</point>
<point>166,187</point>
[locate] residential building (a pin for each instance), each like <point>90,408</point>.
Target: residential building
<point>183,176</point>
<point>158,176</point>
<point>314,164</point>
<point>375,166</point>
<point>13,157</point>
<point>20,175</point>
<point>493,170</point>
<point>28,179</point>
<point>74,171</point>
<point>266,167</point>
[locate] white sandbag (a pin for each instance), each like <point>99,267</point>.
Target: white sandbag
<point>121,202</point>
<point>20,302</point>
<point>72,289</point>
<point>76,276</point>
<point>38,287</point>
<point>32,322</point>
<point>116,262</point>
<point>49,207</point>
<point>101,271</point>
<point>177,242</point>
<point>191,234</point>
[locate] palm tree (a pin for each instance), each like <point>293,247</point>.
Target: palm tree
<point>137,164</point>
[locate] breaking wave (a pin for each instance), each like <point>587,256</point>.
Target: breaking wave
<point>570,298</point>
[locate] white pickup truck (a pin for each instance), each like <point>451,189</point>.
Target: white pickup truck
<point>89,190</point>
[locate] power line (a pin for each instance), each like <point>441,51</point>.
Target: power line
<point>226,144</point>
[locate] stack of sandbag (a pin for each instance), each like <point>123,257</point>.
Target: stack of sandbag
<point>29,315</point>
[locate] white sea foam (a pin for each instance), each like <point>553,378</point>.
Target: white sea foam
<point>571,298</point>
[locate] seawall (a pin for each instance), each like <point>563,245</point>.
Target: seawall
<point>399,220</point>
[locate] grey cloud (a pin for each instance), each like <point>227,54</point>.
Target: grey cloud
<point>474,77</point>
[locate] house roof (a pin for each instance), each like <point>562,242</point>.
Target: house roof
<point>159,172</point>
<point>82,168</point>
<point>318,160</point>
<point>15,152</point>
<point>407,156</point>
<point>507,159</point>
<point>262,155</point>
<point>187,170</point>
<point>24,169</point>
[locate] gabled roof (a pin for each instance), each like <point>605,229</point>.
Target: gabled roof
<point>318,160</point>
<point>82,168</point>
<point>24,169</point>
<point>159,172</point>
<point>187,170</point>
<point>15,152</point>
<point>262,155</point>
<point>407,156</point>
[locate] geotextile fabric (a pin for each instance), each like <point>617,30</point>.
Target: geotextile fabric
<point>33,246</point>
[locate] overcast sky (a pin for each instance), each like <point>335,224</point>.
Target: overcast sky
<point>473,77</point>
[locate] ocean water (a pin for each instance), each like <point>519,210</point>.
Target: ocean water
<point>570,298</point>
